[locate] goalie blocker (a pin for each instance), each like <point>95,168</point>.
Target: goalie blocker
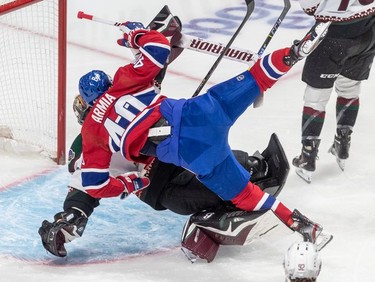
<point>205,231</point>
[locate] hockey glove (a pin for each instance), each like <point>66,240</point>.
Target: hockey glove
<point>132,31</point>
<point>133,182</point>
<point>68,225</point>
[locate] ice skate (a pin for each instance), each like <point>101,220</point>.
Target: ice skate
<point>305,163</point>
<point>309,230</point>
<point>67,226</point>
<point>341,145</point>
<point>305,174</point>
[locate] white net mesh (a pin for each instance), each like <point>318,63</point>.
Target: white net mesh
<point>3,2</point>
<point>28,74</point>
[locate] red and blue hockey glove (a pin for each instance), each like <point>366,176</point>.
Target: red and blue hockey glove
<point>132,31</point>
<point>133,182</point>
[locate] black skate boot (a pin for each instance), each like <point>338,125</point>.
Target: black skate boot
<point>305,163</point>
<point>304,47</point>
<point>308,229</point>
<point>68,225</point>
<point>341,146</point>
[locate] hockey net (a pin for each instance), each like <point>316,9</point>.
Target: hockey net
<point>32,76</point>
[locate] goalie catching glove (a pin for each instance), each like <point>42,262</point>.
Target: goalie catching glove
<point>132,31</point>
<point>68,225</point>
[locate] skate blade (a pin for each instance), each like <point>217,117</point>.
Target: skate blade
<point>189,255</point>
<point>304,174</point>
<point>340,162</point>
<point>323,240</point>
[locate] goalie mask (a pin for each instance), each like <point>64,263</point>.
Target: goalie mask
<point>302,262</point>
<point>93,84</point>
<point>80,109</point>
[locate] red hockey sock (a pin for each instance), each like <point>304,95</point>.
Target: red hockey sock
<point>249,197</point>
<point>252,198</point>
<point>270,68</point>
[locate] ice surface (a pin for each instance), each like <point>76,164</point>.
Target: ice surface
<point>126,240</point>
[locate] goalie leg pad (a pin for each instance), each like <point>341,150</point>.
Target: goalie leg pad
<point>231,226</point>
<point>205,231</point>
<point>198,242</point>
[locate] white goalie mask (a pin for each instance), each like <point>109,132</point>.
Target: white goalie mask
<point>302,262</point>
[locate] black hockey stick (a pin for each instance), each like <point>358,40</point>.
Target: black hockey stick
<point>249,11</point>
<point>275,27</point>
<point>259,100</point>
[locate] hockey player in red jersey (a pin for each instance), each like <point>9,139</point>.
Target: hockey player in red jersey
<point>171,187</point>
<point>133,119</point>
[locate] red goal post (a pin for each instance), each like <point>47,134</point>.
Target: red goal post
<point>33,76</point>
<point>8,6</point>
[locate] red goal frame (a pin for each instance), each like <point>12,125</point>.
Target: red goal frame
<point>16,4</point>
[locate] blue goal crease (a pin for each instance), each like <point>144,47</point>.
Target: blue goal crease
<point>116,230</point>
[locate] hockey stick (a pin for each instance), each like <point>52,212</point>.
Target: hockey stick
<point>193,43</point>
<point>275,27</point>
<point>214,48</point>
<point>249,11</point>
<point>259,100</point>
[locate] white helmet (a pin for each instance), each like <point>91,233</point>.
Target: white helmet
<point>302,262</point>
